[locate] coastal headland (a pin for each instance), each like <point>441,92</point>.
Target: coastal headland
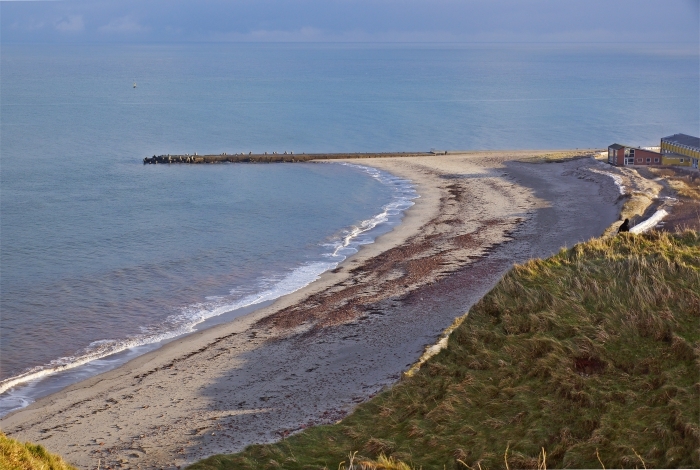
<point>311,356</point>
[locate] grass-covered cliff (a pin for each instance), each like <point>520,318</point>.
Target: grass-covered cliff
<point>15,455</point>
<point>590,358</point>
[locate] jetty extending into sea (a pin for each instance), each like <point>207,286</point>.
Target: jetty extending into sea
<point>275,157</point>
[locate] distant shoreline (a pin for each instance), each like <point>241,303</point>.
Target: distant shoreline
<point>311,355</point>
<point>272,157</point>
<point>291,157</point>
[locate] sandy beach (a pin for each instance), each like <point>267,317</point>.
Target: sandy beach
<point>310,357</point>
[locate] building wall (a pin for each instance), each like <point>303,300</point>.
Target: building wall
<point>675,160</point>
<point>620,157</point>
<point>616,156</point>
<point>670,147</point>
<point>647,157</point>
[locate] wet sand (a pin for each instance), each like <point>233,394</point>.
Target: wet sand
<point>313,355</point>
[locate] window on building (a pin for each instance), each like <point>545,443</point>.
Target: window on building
<point>681,160</point>
<point>648,160</point>
<point>656,160</point>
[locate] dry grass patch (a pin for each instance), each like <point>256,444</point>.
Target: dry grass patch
<point>685,212</point>
<point>685,182</point>
<point>588,358</point>
<point>558,157</point>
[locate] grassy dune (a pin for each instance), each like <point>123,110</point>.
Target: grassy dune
<point>589,358</point>
<point>558,157</point>
<point>15,455</point>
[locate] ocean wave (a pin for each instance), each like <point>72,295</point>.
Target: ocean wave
<point>266,289</point>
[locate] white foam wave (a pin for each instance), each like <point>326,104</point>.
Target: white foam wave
<point>265,290</point>
<point>404,192</point>
<point>175,325</point>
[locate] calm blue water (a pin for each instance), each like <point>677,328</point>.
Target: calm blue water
<point>100,253</point>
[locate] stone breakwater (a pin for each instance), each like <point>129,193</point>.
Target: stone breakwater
<point>272,158</point>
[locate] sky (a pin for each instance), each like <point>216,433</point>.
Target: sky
<point>166,21</point>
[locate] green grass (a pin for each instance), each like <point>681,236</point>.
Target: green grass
<point>15,455</point>
<point>592,356</point>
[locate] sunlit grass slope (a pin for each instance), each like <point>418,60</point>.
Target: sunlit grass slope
<point>592,355</point>
<point>15,455</point>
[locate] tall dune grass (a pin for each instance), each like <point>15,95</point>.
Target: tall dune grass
<point>586,359</point>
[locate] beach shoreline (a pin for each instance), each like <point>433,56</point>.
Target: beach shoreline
<point>278,369</point>
<point>41,380</point>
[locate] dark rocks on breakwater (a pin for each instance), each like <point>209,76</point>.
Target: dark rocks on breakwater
<point>272,158</point>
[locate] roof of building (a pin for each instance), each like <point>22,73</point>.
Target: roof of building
<point>683,139</point>
<point>647,151</point>
<point>616,146</point>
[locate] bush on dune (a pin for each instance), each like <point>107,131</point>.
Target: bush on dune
<point>584,359</point>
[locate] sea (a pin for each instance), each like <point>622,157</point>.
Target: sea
<point>103,258</point>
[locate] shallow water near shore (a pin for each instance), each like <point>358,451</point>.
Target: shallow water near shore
<point>148,273</point>
<point>101,255</point>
